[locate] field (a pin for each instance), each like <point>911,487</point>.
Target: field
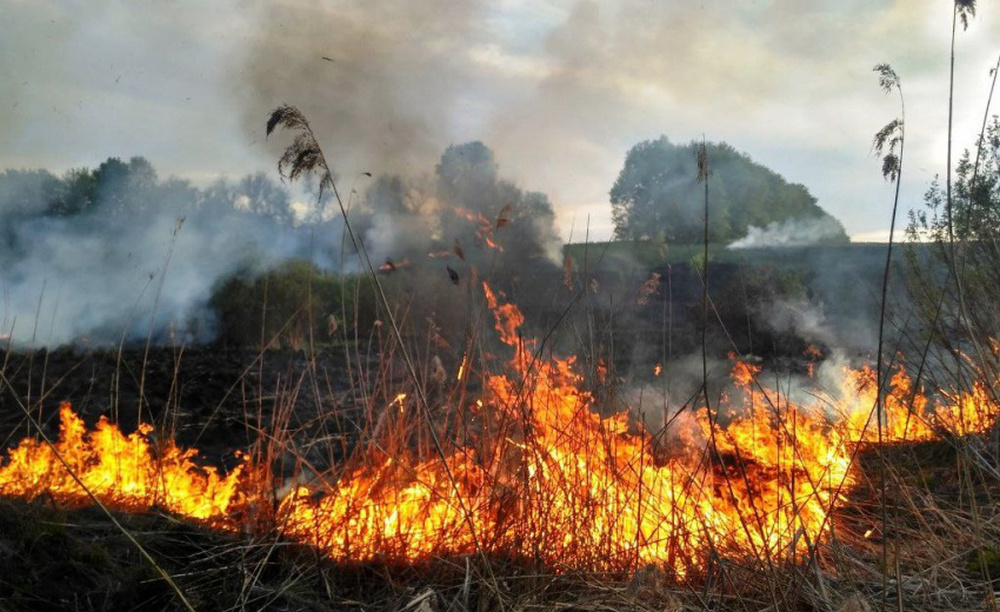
<point>772,500</point>
<point>469,426</point>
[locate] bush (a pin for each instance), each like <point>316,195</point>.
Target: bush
<point>294,306</point>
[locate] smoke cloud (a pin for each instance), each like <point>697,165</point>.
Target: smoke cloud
<point>380,81</point>
<point>115,255</point>
<point>792,233</point>
<point>140,261</point>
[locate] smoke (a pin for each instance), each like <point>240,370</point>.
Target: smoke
<point>140,261</point>
<point>799,317</point>
<point>380,81</point>
<point>437,235</point>
<point>111,255</point>
<point>792,233</point>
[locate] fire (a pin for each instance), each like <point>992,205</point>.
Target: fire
<point>484,227</point>
<point>547,479</point>
<point>391,266</point>
<point>124,472</point>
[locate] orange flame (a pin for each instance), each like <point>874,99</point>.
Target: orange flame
<point>484,227</point>
<point>124,472</point>
<point>550,479</point>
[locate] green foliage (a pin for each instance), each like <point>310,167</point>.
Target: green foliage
<point>293,306</point>
<point>984,561</point>
<point>657,195</point>
<point>117,188</point>
<point>972,259</point>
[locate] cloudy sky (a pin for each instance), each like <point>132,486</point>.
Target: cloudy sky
<point>559,89</point>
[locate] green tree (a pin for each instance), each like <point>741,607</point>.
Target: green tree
<point>657,196</point>
<point>76,193</point>
<point>122,187</point>
<point>262,196</point>
<point>963,241</point>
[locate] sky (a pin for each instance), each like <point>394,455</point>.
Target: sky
<point>558,89</point>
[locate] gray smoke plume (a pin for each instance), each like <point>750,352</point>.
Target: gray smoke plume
<point>379,81</point>
<point>792,233</point>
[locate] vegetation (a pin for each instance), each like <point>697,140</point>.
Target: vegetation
<point>964,252</point>
<point>919,532</point>
<point>657,195</point>
<point>295,305</point>
<point>117,187</point>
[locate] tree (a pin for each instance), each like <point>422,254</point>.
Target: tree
<point>260,195</point>
<point>76,193</point>
<point>27,192</point>
<point>467,174</point>
<point>121,187</point>
<point>657,196</point>
<point>963,241</point>
<point>24,194</point>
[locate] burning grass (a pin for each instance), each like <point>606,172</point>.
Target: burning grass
<point>529,471</point>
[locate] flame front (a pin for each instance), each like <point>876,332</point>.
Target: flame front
<point>124,472</point>
<point>546,477</point>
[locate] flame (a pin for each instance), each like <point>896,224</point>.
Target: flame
<point>392,266</point>
<point>124,472</point>
<point>484,227</point>
<point>548,478</point>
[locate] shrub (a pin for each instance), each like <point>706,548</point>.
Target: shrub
<point>295,305</point>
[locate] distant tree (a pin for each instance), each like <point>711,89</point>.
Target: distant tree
<point>77,193</point>
<point>464,208</point>
<point>522,223</point>
<point>121,187</point>
<point>657,196</point>
<point>27,192</point>
<point>24,194</point>
<point>467,174</point>
<point>531,231</point>
<point>217,198</point>
<point>261,195</point>
<point>177,195</point>
<point>116,188</point>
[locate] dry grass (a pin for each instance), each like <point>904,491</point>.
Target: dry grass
<point>941,535</point>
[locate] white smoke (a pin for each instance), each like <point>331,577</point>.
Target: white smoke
<point>97,279</point>
<point>791,233</point>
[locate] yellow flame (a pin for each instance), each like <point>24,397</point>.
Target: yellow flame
<point>125,472</point>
